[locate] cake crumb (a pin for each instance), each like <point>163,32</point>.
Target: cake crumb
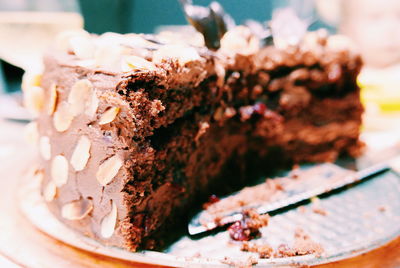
<point>273,185</point>
<point>249,262</point>
<point>156,107</point>
<point>295,172</point>
<point>248,228</point>
<point>203,126</point>
<point>265,251</point>
<point>382,208</point>
<point>316,206</point>
<point>284,251</point>
<point>319,210</point>
<point>302,209</point>
<point>303,245</point>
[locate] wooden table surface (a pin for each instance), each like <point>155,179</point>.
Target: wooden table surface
<point>21,244</point>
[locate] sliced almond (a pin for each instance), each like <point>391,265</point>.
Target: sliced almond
<point>52,99</point>
<point>34,99</point>
<point>108,56</point>
<point>77,210</point>
<point>232,41</point>
<point>45,147</point>
<point>81,153</point>
<point>184,54</point>
<point>220,71</point>
<point>340,43</point>
<point>135,63</point>
<point>82,46</point>
<point>31,79</point>
<point>59,170</point>
<point>38,174</point>
<point>31,133</point>
<point>62,40</point>
<point>63,117</point>
<point>109,222</point>
<point>108,170</point>
<point>86,63</point>
<point>92,105</point>
<point>109,115</point>
<point>239,40</point>
<point>80,94</point>
<point>49,191</point>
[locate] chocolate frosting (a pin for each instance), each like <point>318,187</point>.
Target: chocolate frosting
<point>177,121</point>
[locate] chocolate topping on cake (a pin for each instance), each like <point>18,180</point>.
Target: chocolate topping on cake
<point>139,128</point>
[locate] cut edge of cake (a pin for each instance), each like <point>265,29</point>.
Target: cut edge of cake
<point>134,129</point>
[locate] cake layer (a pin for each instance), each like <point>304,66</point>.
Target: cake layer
<point>128,148</point>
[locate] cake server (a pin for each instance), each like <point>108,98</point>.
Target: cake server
<point>312,182</point>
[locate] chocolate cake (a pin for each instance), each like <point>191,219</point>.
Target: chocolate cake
<point>135,129</point>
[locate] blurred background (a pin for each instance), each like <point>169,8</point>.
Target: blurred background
<point>124,16</point>
<point>374,25</point>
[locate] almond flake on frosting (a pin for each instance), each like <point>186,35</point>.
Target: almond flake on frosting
<point>77,210</point>
<point>59,170</point>
<point>109,115</point>
<point>108,170</point>
<point>81,153</point>
<point>109,222</point>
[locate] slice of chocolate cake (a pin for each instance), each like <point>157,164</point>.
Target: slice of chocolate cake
<point>134,128</point>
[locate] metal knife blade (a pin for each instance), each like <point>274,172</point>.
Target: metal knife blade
<point>314,181</point>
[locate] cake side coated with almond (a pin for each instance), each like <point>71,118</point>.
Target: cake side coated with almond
<point>134,129</point>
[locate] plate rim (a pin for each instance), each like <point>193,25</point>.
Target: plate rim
<point>33,207</point>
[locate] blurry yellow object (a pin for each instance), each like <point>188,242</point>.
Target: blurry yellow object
<point>381,88</point>
<point>380,94</point>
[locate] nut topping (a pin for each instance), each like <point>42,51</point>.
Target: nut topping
<point>62,40</point>
<point>82,46</point>
<point>52,100</point>
<point>59,170</point>
<point>31,79</point>
<point>45,147</point>
<point>92,105</point>
<point>108,170</point>
<point>34,99</point>
<point>77,210</point>
<point>109,115</point>
<point>108,56</point>
<point>135,63</point>
<point>183,54</point>
<point>81,154</point>
<point>50,191</point>
<point>31,133</point>
<point>63,117</point>
<point>80,96</point>
<point>38,174</point>
<point>109,221</point>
